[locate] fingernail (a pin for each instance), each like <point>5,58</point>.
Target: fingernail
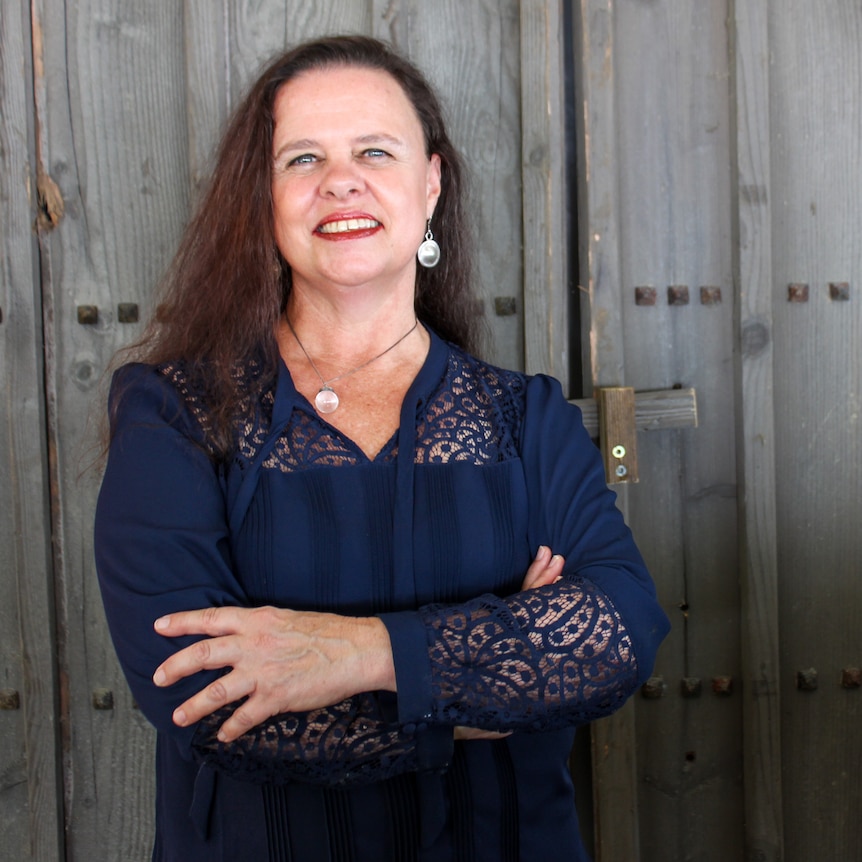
<point>159,677</point>
<point>543,551</point>
<point>162,623</point>
<point>557,558</point>
<point>222,736</point>
<point>180,717</point>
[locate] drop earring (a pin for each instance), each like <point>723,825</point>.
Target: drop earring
<point>429,252</point>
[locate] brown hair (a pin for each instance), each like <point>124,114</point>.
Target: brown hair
<point>228,283</point>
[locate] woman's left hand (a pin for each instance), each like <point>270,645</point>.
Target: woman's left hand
<point>282,660</point>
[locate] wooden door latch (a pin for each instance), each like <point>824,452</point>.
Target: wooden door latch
<point>617,413</point>
<point>618,437</point>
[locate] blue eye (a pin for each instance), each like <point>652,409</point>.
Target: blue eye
<point>375,154</point>
<point>304,159</point>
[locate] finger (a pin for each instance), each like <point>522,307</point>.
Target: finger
<point>227,689</point>
<point>206,654</point>
<point>244,718</point>
<point>537,567</point>
<point>555,569</point>
<point>206,621</point>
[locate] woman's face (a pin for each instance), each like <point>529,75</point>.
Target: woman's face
<point>351,185</point>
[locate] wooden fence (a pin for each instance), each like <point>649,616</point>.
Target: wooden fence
<point>716,189</point>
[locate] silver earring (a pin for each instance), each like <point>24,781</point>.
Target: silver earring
<point>429,251</point>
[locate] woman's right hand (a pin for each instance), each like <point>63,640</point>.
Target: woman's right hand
<point>546,568</point>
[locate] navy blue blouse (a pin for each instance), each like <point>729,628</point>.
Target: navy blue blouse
<point>434,535</point>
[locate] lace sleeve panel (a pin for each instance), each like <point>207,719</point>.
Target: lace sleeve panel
<point>348,743</point>
<point>542,659</point>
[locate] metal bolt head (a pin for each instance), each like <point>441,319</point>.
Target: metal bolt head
<point>797,292</point>
<point>839,290</point>
<point>103,698</point>
<point>691,686</point>
<point>88,315</point>
<point>645,296</point>
<point>127,312</point>
<point>677,294</point>
<point>722,685</point>
<point>505,306</point>
<point>710,296</point>
<point>619,451</point>
<point>851,677</point>
<point>9,699</point>
<point>806,679</point>
<point>653,688</point>
<point>621,470</point>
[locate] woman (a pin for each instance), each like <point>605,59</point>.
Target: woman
<point>316,537</point>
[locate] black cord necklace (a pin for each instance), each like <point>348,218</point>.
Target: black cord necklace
<point>326,401</point>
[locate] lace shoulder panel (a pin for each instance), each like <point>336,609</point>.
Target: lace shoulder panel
<point>474,415</point>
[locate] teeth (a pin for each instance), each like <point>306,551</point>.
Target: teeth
<point>348,224</point>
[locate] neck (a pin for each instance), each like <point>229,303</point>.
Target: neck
<point>346,333</point>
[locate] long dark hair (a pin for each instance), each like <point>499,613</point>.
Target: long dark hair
<point>228,284</point>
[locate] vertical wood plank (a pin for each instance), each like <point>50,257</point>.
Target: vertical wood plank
<point>30,782</point>
<point>478,82</point>
<point>613,738</point>
<point>546,317</point>
<point>672,135</point>
<point>756,431</point>
<point>598,196</point>
<point>815,164</point>
<point>113,142</point>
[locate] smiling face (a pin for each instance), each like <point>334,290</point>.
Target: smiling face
<point>352,186</point>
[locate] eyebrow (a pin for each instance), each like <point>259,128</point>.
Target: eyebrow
<point>310,143</point>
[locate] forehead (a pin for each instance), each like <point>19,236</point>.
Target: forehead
<point>344,97</point>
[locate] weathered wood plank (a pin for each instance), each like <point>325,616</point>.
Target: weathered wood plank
<point>673,146</point>
<point>478,82</point>
<point>113,139</point>
<point>546,313</point>
<point>30,780</point>
<point>654,411</point>
<point>30,783</point>
<point>613,739</point>
<point>753,191</point>
<point>815,165</point>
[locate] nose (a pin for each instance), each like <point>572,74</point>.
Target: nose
<point>341,179</point>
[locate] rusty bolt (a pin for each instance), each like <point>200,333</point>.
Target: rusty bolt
<point>722,685</point>
<point>710,296</point>
<point>505,306</point>
<point>851,677</point>
<point>88,314</point>
<point>690,686</point>
<point>103,698</point>
<point>806,679</point>
<point>677,294</point>
<point>127,312</point>
<point>645,296</point>
<point>653,688</point>
<point>797,292</point>
<point>9,699</point>
<point>839,290</point>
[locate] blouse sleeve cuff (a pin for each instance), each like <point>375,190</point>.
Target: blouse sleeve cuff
<point>412,665</point>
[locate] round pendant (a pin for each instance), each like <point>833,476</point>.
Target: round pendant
<point>429,254</point>
<point>326,401</point>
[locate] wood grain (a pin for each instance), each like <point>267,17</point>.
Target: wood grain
<point>815,157</point>
<point>113,139</point>
<point>756,434</point>
<point>546,321</point>
<point>30,789</point>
